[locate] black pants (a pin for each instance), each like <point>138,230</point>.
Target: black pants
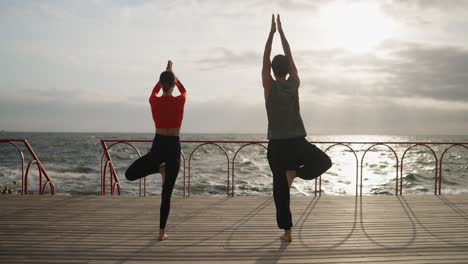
<point>164,149</point>
<point>297,154</point>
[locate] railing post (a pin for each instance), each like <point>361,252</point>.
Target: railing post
<point>42,171</point>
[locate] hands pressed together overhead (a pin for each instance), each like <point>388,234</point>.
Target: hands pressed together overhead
<point>277,24</point>
<point>169,65</point>
<point>169,68</point>
<point>266,69</point>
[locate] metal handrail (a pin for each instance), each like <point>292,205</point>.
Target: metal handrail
<point>108,163</point>
<point>436,167</point>
<point>190,159</point>
<point>112,169</point>
<point>234,163</point>
<point>362,163</point>
<point>318,187</point>
<point>35,160</point>
<point>453,144</point>
<point>357,166</point>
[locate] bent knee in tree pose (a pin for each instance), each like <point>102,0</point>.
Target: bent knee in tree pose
<point>164,156</point>
<point>289,154</point>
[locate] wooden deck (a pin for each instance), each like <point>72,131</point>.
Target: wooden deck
<point>374,229</point>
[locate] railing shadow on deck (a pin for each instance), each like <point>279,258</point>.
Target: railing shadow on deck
<point>452,206</point>
<point>433,233</point>
<point>271,250</point>
<point>357,222</point>
<point>300,226</point>
<point>108,170</point>
<point>410,234</point>
<point>231,229</point>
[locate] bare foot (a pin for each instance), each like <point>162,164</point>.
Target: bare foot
<point>162,170</point>
<point>287,236</point>
<point>162,235</point>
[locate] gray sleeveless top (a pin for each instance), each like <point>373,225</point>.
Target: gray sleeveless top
<point>284,117</point>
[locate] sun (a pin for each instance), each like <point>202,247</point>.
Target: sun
<point>354,25</point>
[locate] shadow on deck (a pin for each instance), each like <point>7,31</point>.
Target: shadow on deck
<point>331,229</point>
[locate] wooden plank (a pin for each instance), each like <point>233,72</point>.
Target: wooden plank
<point>327,229</point>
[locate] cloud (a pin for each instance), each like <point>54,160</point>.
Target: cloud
<point>426,12</point>
<point>322,114</point>
<point>398,70</point>
<point>432,4</point>
<point>380,115</point>
<point>88,66</point>
<point>73,114</point>
<point>301,5</point>
<point>430,72</point>
<point>254,6</point>
<point>226,58</point>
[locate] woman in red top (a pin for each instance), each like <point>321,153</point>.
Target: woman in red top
<point>164,156</point>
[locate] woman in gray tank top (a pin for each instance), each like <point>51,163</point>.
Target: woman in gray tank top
<point>289,153</point>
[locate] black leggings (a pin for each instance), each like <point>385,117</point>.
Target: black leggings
<point>297,154</point>
<point>165,149</point>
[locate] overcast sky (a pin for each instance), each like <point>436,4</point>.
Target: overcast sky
<point>367,67</point>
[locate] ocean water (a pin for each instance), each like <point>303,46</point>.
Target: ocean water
<point>72,160</point>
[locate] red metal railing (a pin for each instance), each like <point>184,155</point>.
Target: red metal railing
<point>108,165</point>
<point>34,161</point>
<point>230,181</point>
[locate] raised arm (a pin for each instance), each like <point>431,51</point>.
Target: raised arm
<point>155,91</point>
<point>266,69</point>
<point>181,88</point>
<point>178,83</point>
<point>157,87</point>
<point>287,52</point>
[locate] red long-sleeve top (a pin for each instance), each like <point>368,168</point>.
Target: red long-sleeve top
<point>168,111</point>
